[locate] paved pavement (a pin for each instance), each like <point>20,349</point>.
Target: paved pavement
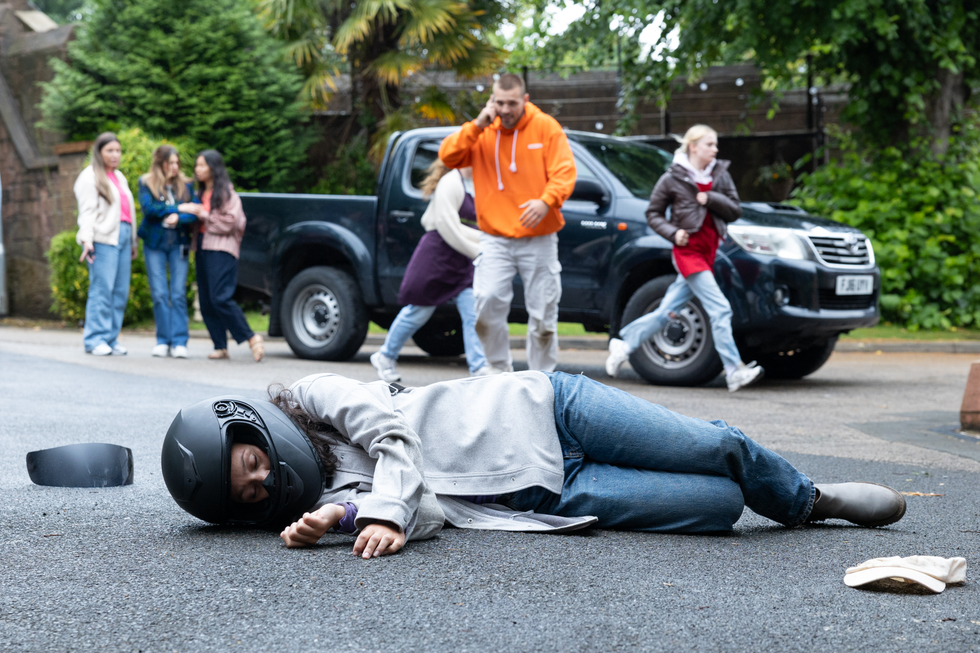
<point>123,569</point>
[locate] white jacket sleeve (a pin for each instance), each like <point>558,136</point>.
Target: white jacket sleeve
<point>87,198</point>
<point>369,422</point>
<point>442,215</point>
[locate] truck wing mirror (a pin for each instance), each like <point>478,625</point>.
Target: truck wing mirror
<point>589,190</point>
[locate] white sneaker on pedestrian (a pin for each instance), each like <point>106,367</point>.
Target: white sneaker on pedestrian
<point>619,353</point>
<point>387,367</point>
<point>119,350</point>
<point>101,349</point>
<point>744,376</point>
<point>160,351</point>
<point>487,370</point>
<point>179,351</point>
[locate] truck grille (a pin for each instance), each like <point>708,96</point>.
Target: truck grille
<point>842,250</point>
<point>831,301</point>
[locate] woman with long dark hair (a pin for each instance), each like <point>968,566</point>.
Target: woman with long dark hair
<point>166,235</point>
<point>218,245</point>
<point>108,240</point>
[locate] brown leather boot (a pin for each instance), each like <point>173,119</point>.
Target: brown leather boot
<point>864,504</point>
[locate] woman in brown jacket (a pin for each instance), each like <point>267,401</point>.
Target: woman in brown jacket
<point>218,244</point>
<point>703,200</point>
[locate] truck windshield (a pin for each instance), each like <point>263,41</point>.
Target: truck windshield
<point>637,166</point>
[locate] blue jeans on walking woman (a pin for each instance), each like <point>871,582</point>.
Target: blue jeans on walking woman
<point>703,286</point>
<point>638,466</point>
<point>412,318</point>
<point>108,290</point>
<point>169,299</point>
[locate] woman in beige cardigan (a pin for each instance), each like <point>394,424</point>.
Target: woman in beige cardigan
<point>106,211</point>
<point>218,245</point>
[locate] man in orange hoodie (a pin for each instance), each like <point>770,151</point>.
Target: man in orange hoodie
<point>523,171</point>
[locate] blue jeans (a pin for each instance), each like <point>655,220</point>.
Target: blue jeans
<point>703,286</point>
<point>412,318</point>
<point>638,466</point>
<point>169,299</point>
<point>108,290</point>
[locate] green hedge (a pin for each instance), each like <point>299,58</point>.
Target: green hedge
<point>69,278</point>
<point>922,215</point>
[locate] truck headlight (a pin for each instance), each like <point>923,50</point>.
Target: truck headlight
<point>769,241</point>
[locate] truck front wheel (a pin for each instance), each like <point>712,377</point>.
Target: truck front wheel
<point>683,351</point>
<point>797,363</point>
<point>323,315</point>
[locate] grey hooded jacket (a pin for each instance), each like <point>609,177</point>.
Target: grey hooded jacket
<point>677,190</point>
<point>403,456</point>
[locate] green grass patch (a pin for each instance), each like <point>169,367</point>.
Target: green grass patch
<point>892,332</point>
<point>564,329</point>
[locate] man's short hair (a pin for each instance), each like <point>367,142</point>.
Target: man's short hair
<point>510,81</point>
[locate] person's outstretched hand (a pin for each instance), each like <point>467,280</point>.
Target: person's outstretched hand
<point>534,212</point>
<point>379,539</point>
<point>681,237</point>
<point>312,525</point>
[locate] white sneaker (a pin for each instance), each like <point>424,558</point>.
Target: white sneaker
<point>387,368</point>
<point>619,353</point>
<point>160,351</point>
<point>119,350</point>
<point>179,351</point>
<point>101,349</point>
<point>744,376</point>
<point>487,370</point>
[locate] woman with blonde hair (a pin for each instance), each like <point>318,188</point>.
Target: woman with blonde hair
<point>108,240</point>
<point>166,235</point>
<point>703,199</point>
<point>441,268</point>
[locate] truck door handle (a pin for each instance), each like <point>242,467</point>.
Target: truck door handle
<point>402,216</point>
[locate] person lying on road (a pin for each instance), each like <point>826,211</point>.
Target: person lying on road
<point>526,451</point>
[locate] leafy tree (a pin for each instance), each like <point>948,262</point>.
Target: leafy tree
<point>200,69</point>
<point>909,63</point>
<point>383,42</point>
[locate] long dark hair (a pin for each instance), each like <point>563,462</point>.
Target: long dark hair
<point>219,177</point>
<point>319,433</point>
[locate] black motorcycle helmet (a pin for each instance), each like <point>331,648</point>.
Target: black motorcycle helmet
<point>196,462</point>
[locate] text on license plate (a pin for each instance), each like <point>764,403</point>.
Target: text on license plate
<point>855,284</point>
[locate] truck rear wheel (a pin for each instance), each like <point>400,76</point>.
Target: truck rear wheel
<point>797,363</point>
<point>441,337</point>
<point>323,316</point>
<point>683,352</point>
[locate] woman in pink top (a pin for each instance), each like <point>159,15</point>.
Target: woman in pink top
<point>108,240</point>
<point>218,243</point>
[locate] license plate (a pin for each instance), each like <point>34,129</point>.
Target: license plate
<point>855,285</point>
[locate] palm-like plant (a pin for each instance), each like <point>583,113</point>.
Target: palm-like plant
<point>381,43</point>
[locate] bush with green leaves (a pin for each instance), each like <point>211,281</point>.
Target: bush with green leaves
<point>69,278</point>
<point>198,69</point>
<point>922,214</point>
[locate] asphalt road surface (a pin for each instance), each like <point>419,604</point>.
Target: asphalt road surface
<point>123,569</point>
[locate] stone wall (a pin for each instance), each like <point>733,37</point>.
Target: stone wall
<point>37,171</point>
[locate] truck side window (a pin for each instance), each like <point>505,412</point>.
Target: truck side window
<point>582,171</point>
<point>425,153</point>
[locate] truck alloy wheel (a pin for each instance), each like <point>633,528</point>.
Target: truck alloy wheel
<point>683,351</point>
<point>323,315</point>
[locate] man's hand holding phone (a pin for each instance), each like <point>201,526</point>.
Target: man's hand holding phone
<point>487,115</point>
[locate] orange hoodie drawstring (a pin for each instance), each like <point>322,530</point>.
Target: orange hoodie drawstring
<point>513,152</point>
<point>496,159</point>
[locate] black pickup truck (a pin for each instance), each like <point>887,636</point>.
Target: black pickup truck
<point>329,264</point>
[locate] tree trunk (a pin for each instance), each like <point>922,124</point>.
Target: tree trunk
<point>943,107</point>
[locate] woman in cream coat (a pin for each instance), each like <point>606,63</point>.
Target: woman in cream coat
<point>106,212</point>
<point>441,269</point>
